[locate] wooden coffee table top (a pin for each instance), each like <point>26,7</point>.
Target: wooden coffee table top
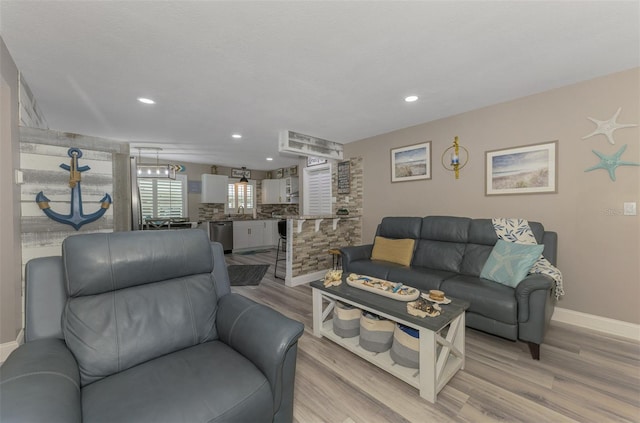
<point>396,308</point>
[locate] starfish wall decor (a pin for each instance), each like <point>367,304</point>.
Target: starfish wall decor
<point>606,127</point>
<point>610,163</point>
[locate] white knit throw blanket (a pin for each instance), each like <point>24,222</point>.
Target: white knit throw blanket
<point>518,230</point>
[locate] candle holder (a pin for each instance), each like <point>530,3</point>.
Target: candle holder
<point>454,163</point>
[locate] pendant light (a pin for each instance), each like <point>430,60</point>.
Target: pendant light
<point>243,180</point>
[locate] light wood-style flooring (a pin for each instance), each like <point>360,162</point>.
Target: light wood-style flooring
<point>582,376</point>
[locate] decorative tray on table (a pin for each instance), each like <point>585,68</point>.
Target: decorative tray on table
<point>395,290</point>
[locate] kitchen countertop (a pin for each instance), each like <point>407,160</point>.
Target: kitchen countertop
<point>243,219</point>
<point>280,217</point>
<point>319,216</point>
<point>167,223</point>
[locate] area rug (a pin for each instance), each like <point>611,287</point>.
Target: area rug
<point>251,252</point>
<point>246,274</point>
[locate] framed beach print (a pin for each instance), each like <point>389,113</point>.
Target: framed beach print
<point>529,169</point>
<point>411,163</point>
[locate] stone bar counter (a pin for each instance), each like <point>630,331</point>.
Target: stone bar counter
<point>309,239</point>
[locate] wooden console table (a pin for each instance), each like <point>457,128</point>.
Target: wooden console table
<point>441,338</point>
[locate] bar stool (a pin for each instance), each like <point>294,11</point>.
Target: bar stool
<point>282,245</point>
<point>336,258</point>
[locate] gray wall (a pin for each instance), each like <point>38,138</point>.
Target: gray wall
<point>10,254</point>
<point>598,246</point>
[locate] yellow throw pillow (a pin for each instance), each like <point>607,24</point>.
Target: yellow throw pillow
<point>394,250</point>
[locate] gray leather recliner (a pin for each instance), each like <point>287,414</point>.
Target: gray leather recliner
<point>142,327</point>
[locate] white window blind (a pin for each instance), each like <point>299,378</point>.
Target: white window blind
<point>163,197</point>
<point>231,198</point>
<point>317,190</point>
<point>249,198</point>
<point>241,195</point>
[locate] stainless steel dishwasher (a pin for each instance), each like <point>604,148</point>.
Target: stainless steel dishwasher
<point>222,231</point>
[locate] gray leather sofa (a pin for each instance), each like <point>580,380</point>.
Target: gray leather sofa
<point>142,327</point>
<point>449,255</point>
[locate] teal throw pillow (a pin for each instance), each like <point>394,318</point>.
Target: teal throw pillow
<point>510,262</point>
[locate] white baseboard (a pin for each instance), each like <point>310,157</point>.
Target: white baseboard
<point>597,323</point>
<point>309,277</point>
<point>8,347</point>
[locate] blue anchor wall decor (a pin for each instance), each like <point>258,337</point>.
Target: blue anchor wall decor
<point>76,217</point>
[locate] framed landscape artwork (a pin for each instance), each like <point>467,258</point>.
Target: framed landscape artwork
<point>529,169</point>
<point>411,163</point>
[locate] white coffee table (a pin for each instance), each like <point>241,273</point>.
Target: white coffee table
<point>441,338</point>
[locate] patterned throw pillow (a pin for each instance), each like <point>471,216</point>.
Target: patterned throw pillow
<point>510,262</point>
<point>394,250</point>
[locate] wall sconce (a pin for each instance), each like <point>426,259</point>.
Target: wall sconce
<point>454,163</point>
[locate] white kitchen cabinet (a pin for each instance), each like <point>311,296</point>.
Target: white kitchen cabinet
<point>270,232</point>
<point>271,191</point>
<point>240,235</point>
<point>280,191</point>
<point>214,188</point>
<point>253,234</point>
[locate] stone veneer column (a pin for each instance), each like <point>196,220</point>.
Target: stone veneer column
<point>310,248</point>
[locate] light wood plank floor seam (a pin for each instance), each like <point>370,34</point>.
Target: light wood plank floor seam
<point>582,376</point>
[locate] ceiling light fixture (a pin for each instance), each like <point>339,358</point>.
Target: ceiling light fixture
<point>411,98</point>
<point>157,170</point>
<point>236,136</point>
<point>146,100</point>
<point>269,159</point>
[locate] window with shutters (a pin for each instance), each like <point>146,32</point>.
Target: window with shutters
<point>163,197</point>
<point>317,190</point>
<point>241,195</point>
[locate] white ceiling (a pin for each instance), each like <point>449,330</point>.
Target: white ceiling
<point>337,70</point>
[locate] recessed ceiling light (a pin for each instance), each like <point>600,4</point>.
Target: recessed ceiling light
<point>236,136</point>
<point>146,100</point>
<point>269,159</point>
<point>411,98</point>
